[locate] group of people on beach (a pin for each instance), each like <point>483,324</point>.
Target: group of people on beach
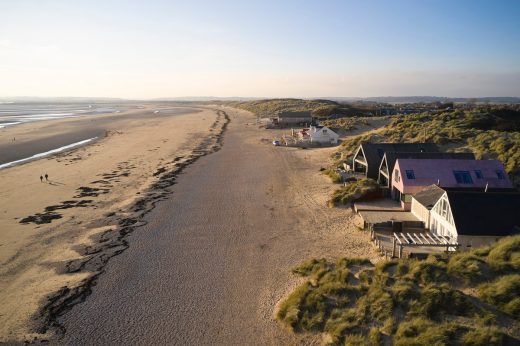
<point>46,177</point>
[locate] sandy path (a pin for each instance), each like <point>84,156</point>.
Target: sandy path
<point>215,258</point>
<point>35,258</point>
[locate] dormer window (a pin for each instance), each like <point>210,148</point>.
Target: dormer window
<point>478,174</point>
<point>500,174</point>
<point>410,174</point>
<point>463,177</point>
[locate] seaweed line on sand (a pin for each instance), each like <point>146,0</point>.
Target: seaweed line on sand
<point>113,242</point>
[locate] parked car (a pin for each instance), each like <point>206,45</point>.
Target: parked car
<point>276,143</point>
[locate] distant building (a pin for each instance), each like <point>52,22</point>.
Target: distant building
<point>292,119</point>
<point>476,218</point>
<point>319,134</point>
<point>368,156</point>
<point>412,175</point>
<point>388,162</point>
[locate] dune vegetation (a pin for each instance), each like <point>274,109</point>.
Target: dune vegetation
<point>470,298</point>
<point>356,190</point>
<point>321,109</point>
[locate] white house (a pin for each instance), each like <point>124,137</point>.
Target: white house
<point>322,134</point>
<point>423,201</point>
<point>476,218</point>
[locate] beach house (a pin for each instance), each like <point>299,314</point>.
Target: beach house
<point>476,218</point>
<point>319,135</point>
<point>412,175</point>
<point>292,119</point>
<point>368,156</point>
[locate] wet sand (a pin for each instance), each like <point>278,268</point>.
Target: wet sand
<point>37,137</point>
<point>214,258</point>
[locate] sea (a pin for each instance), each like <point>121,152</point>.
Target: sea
<point>13,113</point>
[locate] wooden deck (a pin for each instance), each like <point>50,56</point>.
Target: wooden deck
<point>411,244</point>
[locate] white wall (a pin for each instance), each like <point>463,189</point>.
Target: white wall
<point>441,222</point>
<point>421,212</point>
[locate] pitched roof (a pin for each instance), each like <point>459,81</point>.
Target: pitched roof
<point>391,157</point>
<point>429,196</point>
<point>443,172</point>
<point>374,152</point>
<point>485,213</point>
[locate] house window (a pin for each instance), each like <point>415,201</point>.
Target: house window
<point>463,177</point>
<point>410,174</point>
<point>478,174</point>
<point>396,176</point>
<point>500,174</point>
<point>324,131</point>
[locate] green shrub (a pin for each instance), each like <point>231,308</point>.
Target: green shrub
<point>407,301</point>
<point>310,267</point>
<point>467,267</point>
<point>289,309</point>
<point>405,291</point>
<point>421,331</point>
<point>356,340</point>
<point>505,255</point>
<point>503,293</point>
<point>334,176</point>
<point>376,304</point>
<point>437,301</point>
<point>489,336</point>
<point>359,190</point>
<point>424,272</point>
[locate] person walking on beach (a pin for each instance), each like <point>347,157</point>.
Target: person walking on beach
<point>41,178</point>
<point>46,177</point>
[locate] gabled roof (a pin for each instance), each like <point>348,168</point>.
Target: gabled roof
<point>429,196</point>
<point>442,172</point>
<point>391,157</point>
<point>374,152</point>
<point>485,213</point>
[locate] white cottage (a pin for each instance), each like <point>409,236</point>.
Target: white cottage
<point>476,218</point>
<point>319,134</point>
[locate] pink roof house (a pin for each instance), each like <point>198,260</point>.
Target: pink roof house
<point>412,175</point>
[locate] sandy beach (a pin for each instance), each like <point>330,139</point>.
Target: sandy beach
<point>203,257</point>
<point>89,192</point>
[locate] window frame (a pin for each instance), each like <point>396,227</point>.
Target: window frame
<point>501,175</point>
<point>463,177</point>
<point>410,174</point>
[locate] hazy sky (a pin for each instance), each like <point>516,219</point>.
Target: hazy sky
<point>147,49</point>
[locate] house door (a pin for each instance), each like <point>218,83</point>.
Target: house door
<point>396,194</point>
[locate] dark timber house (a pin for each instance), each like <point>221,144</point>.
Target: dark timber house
<point>388,162</point>
<point>368,156</point>
<point>476,218</point>
<point>292,119</point>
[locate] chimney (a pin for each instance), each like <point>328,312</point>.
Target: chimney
<point>487,185</point>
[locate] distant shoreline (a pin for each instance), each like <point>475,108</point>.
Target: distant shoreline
<point>26,140</point>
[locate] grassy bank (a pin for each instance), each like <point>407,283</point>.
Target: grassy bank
<point>362,189</point>
<point>321,109</point>
<point>470,298</point>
